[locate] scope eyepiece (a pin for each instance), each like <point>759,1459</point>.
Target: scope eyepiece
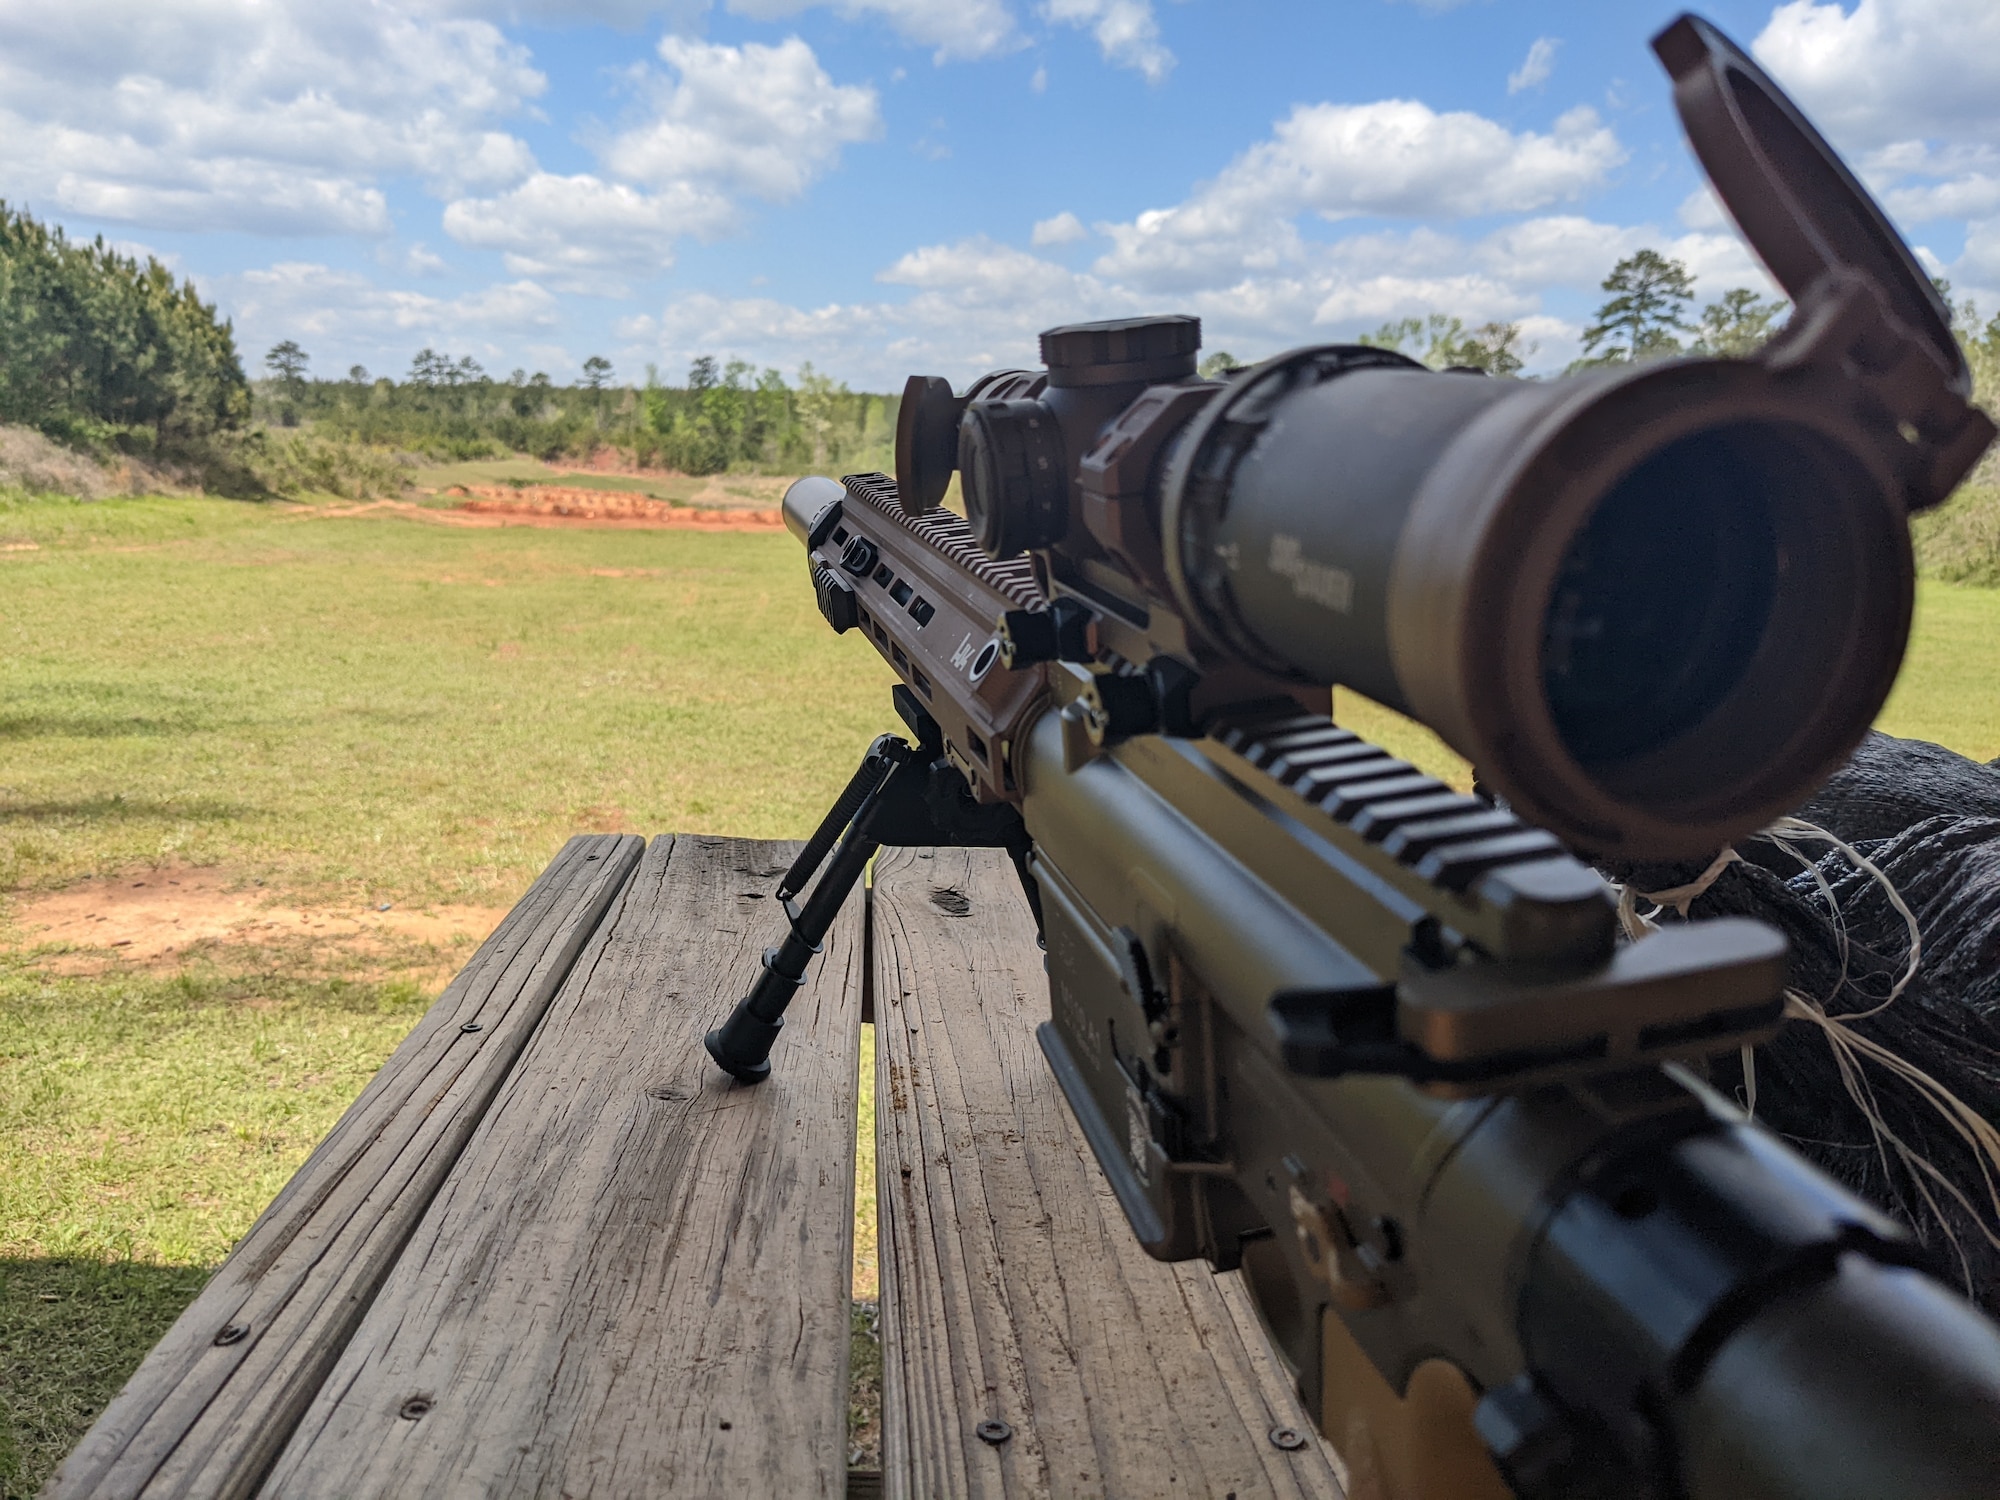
<point>1015,475</point>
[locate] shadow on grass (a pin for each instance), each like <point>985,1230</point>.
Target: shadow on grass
<point>118,808</point>
<point>91,726</point>
<point>72,1331</point>
<point>97,710</point>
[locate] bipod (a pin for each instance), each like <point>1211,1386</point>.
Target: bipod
<point>903,795</point>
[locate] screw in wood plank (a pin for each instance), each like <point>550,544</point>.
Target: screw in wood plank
<point>232,1333</point>
<point>415,1408</point>
<point>993,1431</point>
<point>469,1026</point>
<point>1288,1438</point>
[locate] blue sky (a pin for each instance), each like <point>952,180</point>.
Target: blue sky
<point>888,186</point>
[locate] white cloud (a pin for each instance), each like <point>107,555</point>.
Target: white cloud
<point>1536,66</point>
<point>583,234</point>
<point>767,120</point>
<point>1972,196</point>
<point>955,28</point>
<point>419,260</point>
<point>1396,158</point>
<point>1064,229</point>
<point>1889,70</point>
<point>979,273</point>
<point>382,326</point>
<point>1910,89</point>
<point>1982,254</point>
<point>1701,209</point>
<point>975,305</point>
<point>762,120</point>
<point>627,14</point>
<point>142,252</point>
<point>1126,31</point>
<point>275,116</point>
<point>1560,250</point>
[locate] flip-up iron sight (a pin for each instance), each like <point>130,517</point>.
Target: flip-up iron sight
<point>1653,605</point>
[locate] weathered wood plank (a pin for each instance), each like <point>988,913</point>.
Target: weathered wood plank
<point>635,1281</point>
<point>1012,1287</point>
<point>211,1406</point>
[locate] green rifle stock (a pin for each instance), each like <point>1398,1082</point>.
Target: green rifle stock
<point>1368,1037</point>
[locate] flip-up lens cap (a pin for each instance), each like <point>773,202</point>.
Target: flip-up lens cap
<point>1800,208</point>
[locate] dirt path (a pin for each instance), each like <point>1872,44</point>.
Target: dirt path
<point>155,919</point>
<point>552,507</point>
<point>553,503</point>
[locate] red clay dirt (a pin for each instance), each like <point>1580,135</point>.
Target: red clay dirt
<point>153,919</point>
<point>555,503</point>
<point>513,513</point>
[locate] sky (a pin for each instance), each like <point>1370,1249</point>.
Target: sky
<point>889,187</point>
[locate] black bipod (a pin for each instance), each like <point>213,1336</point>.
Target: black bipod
<point>903,795</point>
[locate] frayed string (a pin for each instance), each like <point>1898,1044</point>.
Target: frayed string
<point>1849,1048</point>
<point>1637,923</point>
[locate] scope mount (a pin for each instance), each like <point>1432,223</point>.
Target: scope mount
<point>1512,978</point>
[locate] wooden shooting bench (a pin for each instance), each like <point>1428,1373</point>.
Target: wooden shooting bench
<point>551,1250</point>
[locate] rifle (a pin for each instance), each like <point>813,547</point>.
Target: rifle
<point>1370,1039</point>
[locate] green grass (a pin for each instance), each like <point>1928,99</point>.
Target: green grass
<point>1960,541</point>
<point>151,1117</point>
<point>363,709</point>
<point>867,1280</point>
<point>70,1333</point>
<point>1949,690</point>
<point>379,709</point>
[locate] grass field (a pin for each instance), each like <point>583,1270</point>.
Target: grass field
<point>363,711</point>
<point>352,712</point>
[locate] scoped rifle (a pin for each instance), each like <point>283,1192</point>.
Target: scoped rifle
<point>1369,1038</point>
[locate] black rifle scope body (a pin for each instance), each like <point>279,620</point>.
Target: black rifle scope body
<point>1651,606</point>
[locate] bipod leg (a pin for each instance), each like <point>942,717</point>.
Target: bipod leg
<point>741,1045</point>
<point>874,770</point>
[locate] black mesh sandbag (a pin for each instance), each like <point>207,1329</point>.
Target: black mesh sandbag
<point>1930,821</point>
<point>1890,785</point>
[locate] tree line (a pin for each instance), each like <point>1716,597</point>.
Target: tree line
<point>733,415</point>
<point>726,414</point>
<point>1646,317</point>
<point>1649,315</point>
<point>101,350</point>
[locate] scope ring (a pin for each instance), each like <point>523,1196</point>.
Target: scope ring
<point>1202,469</point>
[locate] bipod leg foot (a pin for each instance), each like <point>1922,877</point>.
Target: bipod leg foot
<point>741,1045</point>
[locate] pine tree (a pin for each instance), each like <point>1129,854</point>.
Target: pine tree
<point>1640,321</point>
<point>1445,343</point>
<point>1738,323</point>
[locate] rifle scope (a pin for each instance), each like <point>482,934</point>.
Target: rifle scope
<point>1653,607</point>
<point>1654,604</point>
